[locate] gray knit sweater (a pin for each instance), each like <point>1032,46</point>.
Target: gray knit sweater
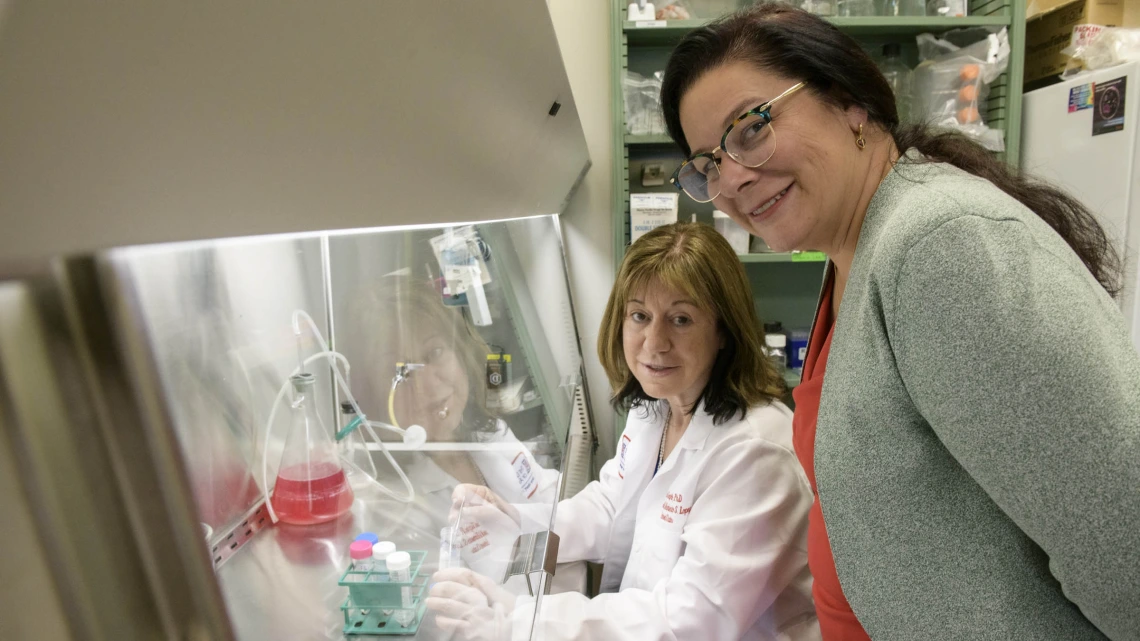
<point>978,444</point>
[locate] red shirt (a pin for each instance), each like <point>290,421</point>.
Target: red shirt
<point>836,620</point>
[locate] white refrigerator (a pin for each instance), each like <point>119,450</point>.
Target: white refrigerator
<point>1083,135</point>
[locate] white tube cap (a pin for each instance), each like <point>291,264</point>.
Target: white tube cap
<point>397,561</point>
<point>382,549</point>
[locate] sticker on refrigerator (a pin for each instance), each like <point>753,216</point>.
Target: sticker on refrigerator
<point>1108,109</point>
<point>1081,97</point>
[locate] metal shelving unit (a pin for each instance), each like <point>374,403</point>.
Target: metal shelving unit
<point>672,31</point>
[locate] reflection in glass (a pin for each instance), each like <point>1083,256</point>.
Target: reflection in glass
<point>446,394</point>
<point>217,316</point>
<point>489,388</point>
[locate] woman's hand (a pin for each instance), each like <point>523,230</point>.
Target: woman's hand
<point>471,606</point>
<point>476,501</point>
<point>484,529</point>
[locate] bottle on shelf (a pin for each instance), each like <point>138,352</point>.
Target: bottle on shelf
<point>797,349</point>
<point>777,351</point>
<point>641,11</point>
<point>946,8</point>
<point>775,328</point>
<point>901,79</point>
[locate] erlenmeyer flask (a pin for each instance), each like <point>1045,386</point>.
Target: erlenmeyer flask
<point>311,486</point>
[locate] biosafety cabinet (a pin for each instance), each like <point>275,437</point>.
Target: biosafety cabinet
<point>275,275</point>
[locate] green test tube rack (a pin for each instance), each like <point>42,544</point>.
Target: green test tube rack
<point>375,603</point>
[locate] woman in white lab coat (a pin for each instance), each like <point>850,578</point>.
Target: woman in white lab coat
<point>701,517</point>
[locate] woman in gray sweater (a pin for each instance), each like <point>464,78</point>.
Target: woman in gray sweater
<point>970,411</point>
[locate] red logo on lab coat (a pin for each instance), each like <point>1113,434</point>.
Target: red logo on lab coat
<point>625,441</point>
<point>672,507</point>
<point>524,474</point>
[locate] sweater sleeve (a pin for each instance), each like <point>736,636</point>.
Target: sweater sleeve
<point>1023,367</point>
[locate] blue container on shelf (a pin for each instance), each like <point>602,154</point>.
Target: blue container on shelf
<point>797,348</point>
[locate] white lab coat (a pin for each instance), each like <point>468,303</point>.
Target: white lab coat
<point>512,473</point>
<point>714,547</point>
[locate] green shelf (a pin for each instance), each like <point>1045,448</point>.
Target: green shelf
<point>912,26</point>
<point>648,139</point>
<point>674,30</point>
<point>783,257</point>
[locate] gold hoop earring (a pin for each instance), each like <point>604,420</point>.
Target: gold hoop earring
<point>860,142</point>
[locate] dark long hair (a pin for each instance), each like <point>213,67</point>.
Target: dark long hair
<point>797,44</point>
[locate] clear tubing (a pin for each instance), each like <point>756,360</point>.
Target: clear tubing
<point>391,428</point>
<point>411,495</point>
<point>333,358</point>
<point>392,402</point>
<point>300,350</point>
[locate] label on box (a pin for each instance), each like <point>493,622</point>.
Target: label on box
<point>1108,108</point>
<point>1081,97</point>
<point>650,211</point>
<point>649,24</point>
<point>1084,33</point>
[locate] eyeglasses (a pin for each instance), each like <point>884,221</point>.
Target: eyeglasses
<point>749,140</point>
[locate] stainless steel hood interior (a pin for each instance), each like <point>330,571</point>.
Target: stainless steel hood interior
<point>133,121</point>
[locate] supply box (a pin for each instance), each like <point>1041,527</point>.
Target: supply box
<point>1050,24</point>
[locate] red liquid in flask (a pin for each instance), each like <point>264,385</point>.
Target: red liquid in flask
<point>318,496</point>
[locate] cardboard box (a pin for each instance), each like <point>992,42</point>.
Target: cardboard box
<point>1050,30</point>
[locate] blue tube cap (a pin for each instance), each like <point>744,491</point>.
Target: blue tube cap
<point>367,536</point>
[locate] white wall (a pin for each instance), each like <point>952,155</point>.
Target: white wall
<point>583,28</point>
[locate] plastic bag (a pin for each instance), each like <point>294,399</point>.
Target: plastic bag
<point>673,11</point>
<point>952,83</point>
<point>642,97</point>
<point>1097,47</point>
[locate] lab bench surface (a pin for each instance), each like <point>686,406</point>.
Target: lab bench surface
<point>283,583</point>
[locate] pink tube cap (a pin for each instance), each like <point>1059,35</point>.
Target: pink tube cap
<point>360,550</point>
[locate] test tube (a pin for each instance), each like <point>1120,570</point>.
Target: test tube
<point>448,552</point>
<point>399,567</point>
<point>380,553</point>
<point>400,571</point>
<point>361,553</point>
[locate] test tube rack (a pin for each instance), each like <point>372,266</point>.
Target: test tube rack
<point>375,603</point>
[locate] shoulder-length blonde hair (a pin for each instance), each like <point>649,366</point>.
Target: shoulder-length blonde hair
<point>695,259</point>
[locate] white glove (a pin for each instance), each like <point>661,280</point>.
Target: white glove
<point>469,497</point>
<point>486,528</point>
<point>471,606</point>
